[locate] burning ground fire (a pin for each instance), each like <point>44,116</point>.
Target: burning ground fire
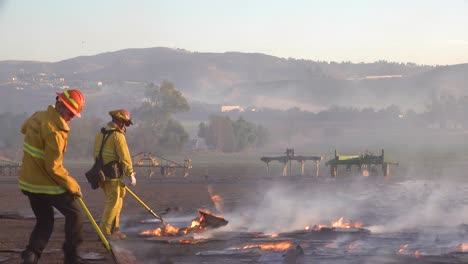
<point>406,251</point>
<point>339,224</point>
<point>280,246</point>
<point>462,247</point>
<point>206,221</point>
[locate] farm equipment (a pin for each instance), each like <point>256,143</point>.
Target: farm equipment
<point>167,167</point>
<point>9,168</point>
<point>287,162</point>
<point>366,163</point>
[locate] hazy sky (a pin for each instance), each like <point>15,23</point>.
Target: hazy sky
<point>421,31</point>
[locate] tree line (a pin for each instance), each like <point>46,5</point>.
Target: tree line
<point>226,135</point>
<point>157,130</point>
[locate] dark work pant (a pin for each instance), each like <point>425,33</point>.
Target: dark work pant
<point>42,206</point>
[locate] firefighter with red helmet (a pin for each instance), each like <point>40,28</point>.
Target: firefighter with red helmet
<point>44,179</point>
<point>117,164</point>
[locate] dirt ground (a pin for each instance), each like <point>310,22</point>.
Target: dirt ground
<point>242,185</point>
<point>177,193</point>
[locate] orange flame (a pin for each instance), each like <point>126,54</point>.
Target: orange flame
<point>463,247</point>
<point>168,231</point>
<point>341,224</point>
<point>155,232</point>
<point>195,223</point>
<point>404,249</point>
<point>185,241</point>
<point>216,199</point>
<point>365,173</point>
<point>314,227</point>
<point>171,230</point>
<point>276,247</point>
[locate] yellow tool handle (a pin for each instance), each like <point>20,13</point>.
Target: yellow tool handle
<point>96,227</point>
<point>144,205</point>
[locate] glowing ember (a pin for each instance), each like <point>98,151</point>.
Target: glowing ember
<point>276,247</point>
<point>417,254</point>
<point>191,241</point>
<point>462,247</point>
<point>185,241</point>
<point>404,249</point>
<point>354,246</point>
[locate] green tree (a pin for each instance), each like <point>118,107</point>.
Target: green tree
<point>245,134</point>
<point>174,137</point>
<point>11,138</point>
<point>157,131</point>
<point>82,134</point>
<point>263,136</point>
<point>160,103</point>
<point>221,134</point>
<point>226,135</point>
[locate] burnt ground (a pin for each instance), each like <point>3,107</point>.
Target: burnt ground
<point>425,217</point>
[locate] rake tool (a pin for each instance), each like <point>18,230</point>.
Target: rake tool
<point>120,256</point>
<point>145,206</point>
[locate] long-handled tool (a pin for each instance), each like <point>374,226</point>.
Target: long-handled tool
<point>145,206</point>
<point>106,243</point>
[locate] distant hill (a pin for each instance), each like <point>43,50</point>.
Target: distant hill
<point>254,79</point>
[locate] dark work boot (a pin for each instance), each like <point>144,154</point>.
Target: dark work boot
<point>72,257</point>
<point>75,260</point>
<point>29,257</point>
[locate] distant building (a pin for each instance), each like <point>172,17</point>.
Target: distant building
<point>228,108</point>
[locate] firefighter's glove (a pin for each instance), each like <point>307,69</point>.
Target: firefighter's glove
<point>132,180</point>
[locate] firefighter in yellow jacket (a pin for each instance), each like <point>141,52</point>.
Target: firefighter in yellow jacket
<point>117,164</point>
<point>46,182</point>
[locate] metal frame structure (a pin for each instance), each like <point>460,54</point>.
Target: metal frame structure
<point>148,160</point>
<point>287,162</point>
<point>9,168</point>
<point>364,163</point>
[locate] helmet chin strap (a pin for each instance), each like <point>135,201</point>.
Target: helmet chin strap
<point>121,125</point>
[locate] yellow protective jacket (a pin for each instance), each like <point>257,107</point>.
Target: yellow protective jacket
<point>115,148</point>
<point>45,142</point>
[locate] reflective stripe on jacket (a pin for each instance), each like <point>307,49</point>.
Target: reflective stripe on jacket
<point>115,149</point>
<point>45,142</point>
